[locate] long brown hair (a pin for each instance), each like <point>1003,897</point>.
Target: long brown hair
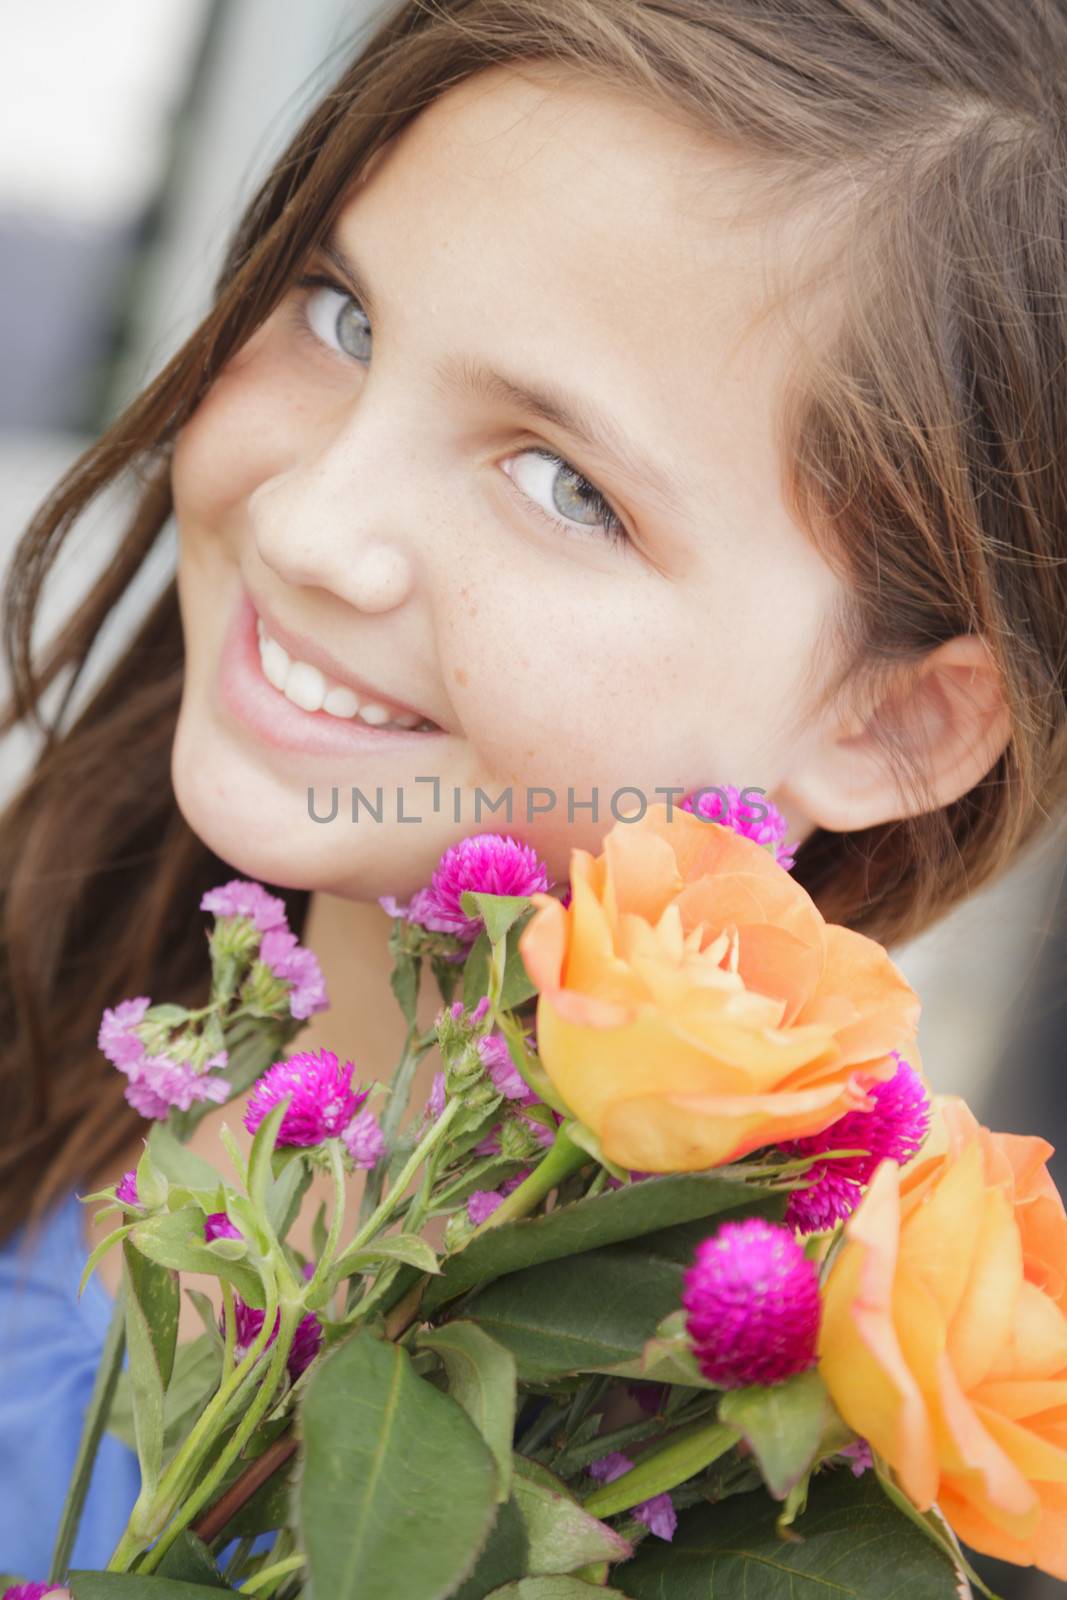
<point>924,443</point>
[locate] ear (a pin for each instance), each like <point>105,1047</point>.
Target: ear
<point>949,715</point>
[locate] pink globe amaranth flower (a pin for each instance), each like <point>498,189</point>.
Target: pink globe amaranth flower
<point>364,1140</point>
<point>737,814</point>
<point>504,1074</point>
<point>751,1299</point>
<point>117,1036</point>
<point>159,1084</point>
<point>248,1321</point>
<point>323,1101</point>
<point>476,1013</point>
<point>486,863</point>
<point>483,1202</point>
<point>657,1514</point>
<point>35,1591</point>
<point>217,1225</point>
<point>126,1188</point>
<point>299,967</point>
<point>242,897</point>
<point>893,1129</point>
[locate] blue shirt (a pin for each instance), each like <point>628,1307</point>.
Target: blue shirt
<point>50,1344</point>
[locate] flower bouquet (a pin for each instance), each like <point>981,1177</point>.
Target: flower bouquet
<point>681,1282</point>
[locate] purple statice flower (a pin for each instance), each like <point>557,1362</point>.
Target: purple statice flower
<point>487,863</point>
<point>435,1101</point>
<point>248,1322</point>
<point>323,1101</point>
<point>657,1514</point>
<point>117,1036</point>
<point>217,1225</point>
<point>893,1130</point>
<point>475,1015</point>
<point>490,1145</point>
<point>859,1457</point>
<point>243,898</point>
<point>483,1202</point>
<point>158,1084</point>
<point>768,830</point>
<point>752,1305</point>
<point>364,1140</point>
<point>299,967</point>
<point>505,1075</point>
<point>126,1188</point>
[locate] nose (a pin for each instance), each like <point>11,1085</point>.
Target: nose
<point>329,523</point>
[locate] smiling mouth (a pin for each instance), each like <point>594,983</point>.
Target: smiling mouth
<point>305,686</point>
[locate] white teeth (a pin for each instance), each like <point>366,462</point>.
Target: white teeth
<point>309,689</point>
<point>375,714</point>
<point>275,662</point>
<point>305,686</point>
<point>340,702</point>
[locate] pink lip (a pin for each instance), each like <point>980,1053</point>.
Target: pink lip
<point>258,705</point>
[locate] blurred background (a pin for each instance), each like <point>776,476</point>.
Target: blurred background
<point>131,136</point>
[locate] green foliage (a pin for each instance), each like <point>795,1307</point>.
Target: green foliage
<point>783,1425</point>
<point>481,1377</point>
<point>850,1544</point>
<point>398,1489</point>
<point>194,1379</point>
<point>151,1338</point>
<point>176,1239</point>
<point>132,1586</point>
<point>685,1454</point>
<point>604,1219</point>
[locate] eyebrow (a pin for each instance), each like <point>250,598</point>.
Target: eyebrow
<point>571,413</point>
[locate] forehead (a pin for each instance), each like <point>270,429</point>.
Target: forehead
<point>566,231</point>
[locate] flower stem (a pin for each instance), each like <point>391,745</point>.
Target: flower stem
<point>107,1377</point>
<point>564,1158</point>
<point>267,1578</point>
<point>290,1315</point>
<point>430,1140</point>
<point>329,1249</point>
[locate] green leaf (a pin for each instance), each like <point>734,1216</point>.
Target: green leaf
<point>667,1357</point>
<point>285,1193</point>
<point>853,1545</point>
<point>682,1456</point>
<point>397,1492</point>
<point>405,1247</point>
<point>497,911</point>
<point>552,1589</point>
<point>481,1377</point>
<point>190,1559</point>
<point>932,1525</point>
<point>562,1534</point>
<point>259,1168</point>
<point>97,1255</point>
<point>152,1300</point>
<point>619,1214</point>
<point>176,1239</point>
<point>476,971</point>
<point>197,1366</point>
<point>178,1163</point>
<point>503,1557</point>
<point>152,1184</point>
<point>404,982</point>
<point>132,1586</point>
<point>783,1424</point>
<point>584,1313</point>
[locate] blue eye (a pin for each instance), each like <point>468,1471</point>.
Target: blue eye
<point>331,316</point>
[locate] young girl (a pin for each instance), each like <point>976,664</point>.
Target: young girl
<point>596,397</point>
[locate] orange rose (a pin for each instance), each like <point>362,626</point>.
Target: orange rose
<point>944,1337</point>
<point>694,1005</point>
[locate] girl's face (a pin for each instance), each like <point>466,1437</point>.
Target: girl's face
<point>596,592</point>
